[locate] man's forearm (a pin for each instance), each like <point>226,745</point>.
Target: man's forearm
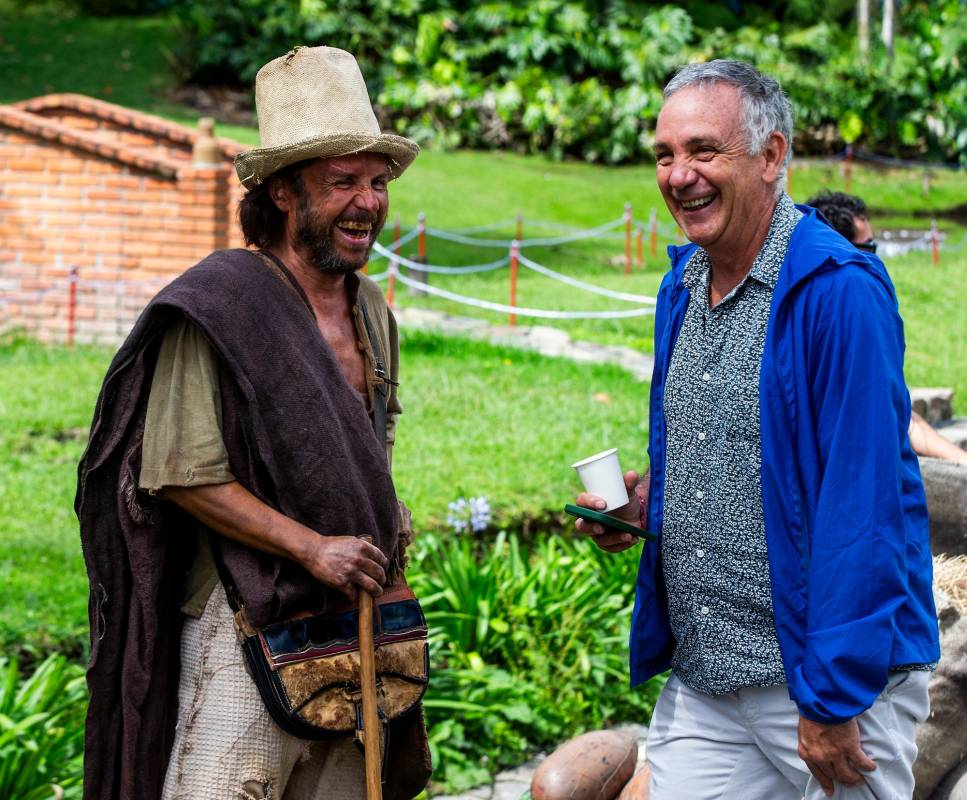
<point>233,511</point>
<point>346,563</point>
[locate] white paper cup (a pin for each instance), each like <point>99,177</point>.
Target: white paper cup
<point>601,476</point>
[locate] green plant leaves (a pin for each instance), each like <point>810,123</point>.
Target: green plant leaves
<point>850,127</point>
<point>528,642</point>
<point>572,64</point>
<point>41,730</point>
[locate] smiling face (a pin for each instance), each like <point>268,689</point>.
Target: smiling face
<point>335,219</point>
<point>720,195</point>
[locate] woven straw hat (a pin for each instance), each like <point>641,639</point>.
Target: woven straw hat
<point>313,103</point>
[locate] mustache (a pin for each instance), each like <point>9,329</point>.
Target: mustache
<point>358,216</point>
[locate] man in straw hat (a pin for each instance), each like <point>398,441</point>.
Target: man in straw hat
<point>250,410</point>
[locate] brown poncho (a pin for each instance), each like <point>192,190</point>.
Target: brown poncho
<point>298,438</point>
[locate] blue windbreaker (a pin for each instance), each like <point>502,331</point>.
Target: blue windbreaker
<point>844,507</point>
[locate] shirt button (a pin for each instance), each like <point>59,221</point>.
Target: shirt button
<point>705,609</point>
<point>700,494</point>
<point>700,553</point>
<point>706,376</point>
<point>701,436</point>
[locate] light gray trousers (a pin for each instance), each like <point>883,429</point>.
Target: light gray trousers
<point>743,745</point>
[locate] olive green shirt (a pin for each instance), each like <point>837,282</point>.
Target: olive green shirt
<point>183,443</point>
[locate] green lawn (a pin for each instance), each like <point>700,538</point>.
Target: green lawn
<point>479,421</point>
<point>46,400</point>
<point>52,50</point>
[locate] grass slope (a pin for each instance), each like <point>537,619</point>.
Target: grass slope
<point>46,401</point>
<point>479,420</point>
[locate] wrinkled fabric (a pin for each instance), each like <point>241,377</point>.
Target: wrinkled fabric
<point>844,506</point>
<point>298,438</point>
<point>745,744</point>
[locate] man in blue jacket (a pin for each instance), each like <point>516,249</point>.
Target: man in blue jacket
<point>790,589</point>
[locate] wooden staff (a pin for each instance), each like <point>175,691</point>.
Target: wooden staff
<point>372,740</point>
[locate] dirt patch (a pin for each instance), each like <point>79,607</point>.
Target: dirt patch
<point>957,214</point>
<point>224,103</point>
<point>59,435</point>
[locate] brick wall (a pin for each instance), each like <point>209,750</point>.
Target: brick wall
<point>109,195</point>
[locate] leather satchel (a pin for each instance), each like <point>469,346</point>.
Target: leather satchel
<point>307,667</point>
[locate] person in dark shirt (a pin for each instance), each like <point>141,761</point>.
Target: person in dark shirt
<point>849,216</point>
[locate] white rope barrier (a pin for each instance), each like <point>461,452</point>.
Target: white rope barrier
<point>551,241</point>
<point>406,237</point>
<point>587,287</point>
<point>439,269</point>
<point>83,284</point>
<point>493,226</point>
<point>954,248</point>
<point>591,233</point>
<point>449,236</point>
<point>524,312</point>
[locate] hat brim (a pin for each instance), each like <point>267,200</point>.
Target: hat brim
<point>255,166</point>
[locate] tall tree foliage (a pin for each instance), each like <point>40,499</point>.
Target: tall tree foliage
<point>584,78</point>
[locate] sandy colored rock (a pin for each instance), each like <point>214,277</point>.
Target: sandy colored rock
<point>593,766</point>
<point>933,404</point>
<point>942,738</point>
<point>946,487</point>
<point>639,787</point>
<point>954,786</point>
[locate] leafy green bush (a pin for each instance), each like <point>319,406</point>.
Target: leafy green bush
<point>42,730</point>
<point>584,79</point>
<point>529,646</point>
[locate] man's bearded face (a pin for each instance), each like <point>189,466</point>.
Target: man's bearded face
<point>341,209</point>
<point>315,236</point>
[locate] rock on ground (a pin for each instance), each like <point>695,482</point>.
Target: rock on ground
<point>946,487</point>
<point>512,783</point>
<point>592,766</point>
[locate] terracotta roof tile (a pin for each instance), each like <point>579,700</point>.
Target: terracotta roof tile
<point>124,117</point>
<point>51,130</point>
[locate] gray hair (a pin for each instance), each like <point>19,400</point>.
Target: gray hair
<point>766,108</point>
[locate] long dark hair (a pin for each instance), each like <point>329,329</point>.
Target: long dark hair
<point>263,223</point>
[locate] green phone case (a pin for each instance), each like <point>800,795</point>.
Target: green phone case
<point>607,520</point>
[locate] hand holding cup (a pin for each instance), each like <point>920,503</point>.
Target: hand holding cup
<point>607,490</point>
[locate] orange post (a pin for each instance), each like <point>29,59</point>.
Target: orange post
<point>421,237</point>
<point>653,231</point>
<point>519,234</point>
<point>935,241</point>
<point>789,181</point>
<point>639,247</point>
<point>71,305</point>
<point>514,252</point>
<point>627,238</point>
<point>848,168</point>
<point>679,235</point>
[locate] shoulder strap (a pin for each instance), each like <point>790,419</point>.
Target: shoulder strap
<point>380,390</point>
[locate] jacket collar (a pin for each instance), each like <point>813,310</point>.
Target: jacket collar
<point>814,246</point>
